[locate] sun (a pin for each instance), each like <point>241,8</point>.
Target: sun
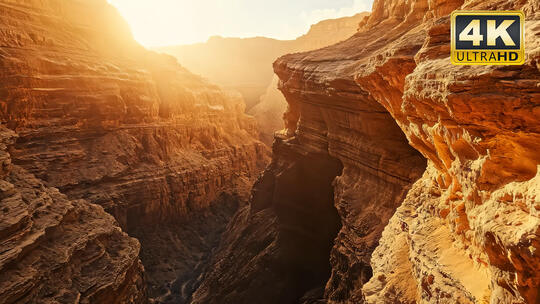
<point>161,22</point>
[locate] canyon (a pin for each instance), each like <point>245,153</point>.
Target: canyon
<point>397,178</point>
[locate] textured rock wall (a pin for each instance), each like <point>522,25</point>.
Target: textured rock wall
<point>330,116</point>
<point>328,111</point>
<point>468,229</point>
<point>134,124</point>
<point>473,228</point>
<point>102,119</point>
<point>56,250</point>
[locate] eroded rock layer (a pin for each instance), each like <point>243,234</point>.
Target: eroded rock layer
<point>56,250</point>
<point>468,229</point>
<point>102,119</point>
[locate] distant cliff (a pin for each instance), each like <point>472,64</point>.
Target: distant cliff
<point>246,65</point>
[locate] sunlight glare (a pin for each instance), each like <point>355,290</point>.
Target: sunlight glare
<point>173,22</point>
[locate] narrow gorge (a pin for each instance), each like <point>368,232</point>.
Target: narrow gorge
<point>398,177</point>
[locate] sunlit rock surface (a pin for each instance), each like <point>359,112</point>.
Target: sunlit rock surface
<point>399,178</point>
<point>463,229</point>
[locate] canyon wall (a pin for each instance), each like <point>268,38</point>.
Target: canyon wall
<point>463,228</point>
<point>245,65</point>
<point>106,121</point>
<point>468,229</point>
<point>56,250</point>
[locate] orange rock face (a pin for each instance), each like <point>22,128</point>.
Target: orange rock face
<point>468,229</point>
<point>56,250</point>
<point>123,117</point>
<point>104,120</point>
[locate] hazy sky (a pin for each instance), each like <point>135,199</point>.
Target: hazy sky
<point>169,22</point>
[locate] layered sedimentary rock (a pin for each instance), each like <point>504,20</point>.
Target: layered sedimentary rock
<point>472,220</point>
<point>102,119</point>
<point>245,65</point>
<point>468,230</point>
<point>56,250</point>
<point>347,212</point>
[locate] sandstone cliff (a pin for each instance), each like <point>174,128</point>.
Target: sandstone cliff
<point>464,229</point>
<point>245,65</point>
<point>102,119</point>
<point>468,230</point>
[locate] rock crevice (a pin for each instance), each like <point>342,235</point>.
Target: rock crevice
<point>277,249</point>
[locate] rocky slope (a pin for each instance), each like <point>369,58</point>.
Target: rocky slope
<point>102,119</point>
<point>245,65</point>
<point>463,229</point>
<point>56,250</point>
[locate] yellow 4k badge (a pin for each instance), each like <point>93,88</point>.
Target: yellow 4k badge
<point>488,37</point>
